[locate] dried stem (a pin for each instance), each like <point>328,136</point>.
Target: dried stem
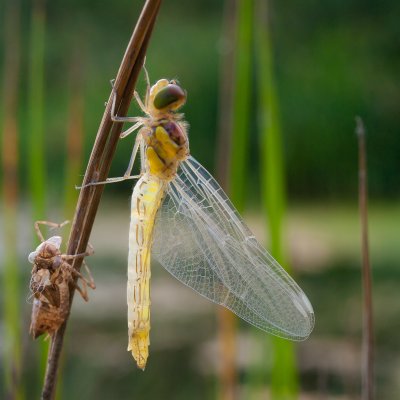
<point>368,331</point>
<point>100,162</point>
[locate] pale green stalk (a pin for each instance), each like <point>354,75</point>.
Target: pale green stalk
<point>232,154</point>
<point>227,377</point>
<point>284,377</point>
<point>36,142</point>
<point>11,292</point>
<point>12,306</point>
<point>241,104</point>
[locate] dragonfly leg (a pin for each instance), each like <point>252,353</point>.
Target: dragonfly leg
<point>117,118</point>
<point>127,175</point>
<point>89,252</point>
<point>139,101</point>
<point>110,180</point>
<point>133,128</point>
<point>82,291</point>
<point>146,74</point>
<point>129,169</point>
<point>138,120</point>
<point>86,282</point>
<point>90,281</point>
<point>53,225</point>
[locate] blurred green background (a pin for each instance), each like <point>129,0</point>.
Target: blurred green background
<point>330,61</point>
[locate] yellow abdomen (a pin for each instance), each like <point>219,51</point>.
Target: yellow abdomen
<point>146,199</point>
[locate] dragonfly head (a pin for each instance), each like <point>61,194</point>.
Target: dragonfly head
<point>166,96</point>
<point>44,254</point>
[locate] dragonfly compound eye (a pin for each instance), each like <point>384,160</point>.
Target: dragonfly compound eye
<point>49,250</point>
<point>175,132</point>
<point>170,97</point>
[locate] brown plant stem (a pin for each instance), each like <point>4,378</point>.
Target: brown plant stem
<point>100,162</point>
<point>367,390</point>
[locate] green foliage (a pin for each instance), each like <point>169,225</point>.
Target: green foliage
<point>10,273</point>
<point>36,132</point>
<point>284,379</point>
<point>333,61</point>
<point>241,104</point>
<point>36,135</point>
<point>11,306</point>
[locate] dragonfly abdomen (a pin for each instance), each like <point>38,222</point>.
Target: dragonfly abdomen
<point>146,199</point>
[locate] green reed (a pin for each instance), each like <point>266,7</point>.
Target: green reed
<point>284,379</point>
<point>241,103</point>
<point>238,112</point>
<point>11,291</point>
<point>35,134</point>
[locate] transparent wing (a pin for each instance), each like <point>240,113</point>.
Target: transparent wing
<point>201,239</point>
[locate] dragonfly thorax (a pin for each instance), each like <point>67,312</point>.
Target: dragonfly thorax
<point>167,145</point>
<point>49,262</point>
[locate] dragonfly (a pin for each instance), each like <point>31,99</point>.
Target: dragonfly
<point>50,280</point>
<point>181,216</point>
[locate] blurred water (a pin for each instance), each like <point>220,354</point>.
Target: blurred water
<point>184,357</point>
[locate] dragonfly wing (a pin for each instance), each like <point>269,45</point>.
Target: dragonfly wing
<point>200,238</point>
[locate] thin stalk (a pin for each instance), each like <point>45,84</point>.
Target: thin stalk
<point>74,143</point>
<point>226,319</point>
<point>368,328</point>
<point>10,157</point>
<point>241,103</point>
<point>74,146</point>
<point>284,379</point>
<point>36,142</point>
<point>35,139</point>
<point>99,165</point>
<point>232,169</point>
<point>234,180</point>
<point>225,105</point>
